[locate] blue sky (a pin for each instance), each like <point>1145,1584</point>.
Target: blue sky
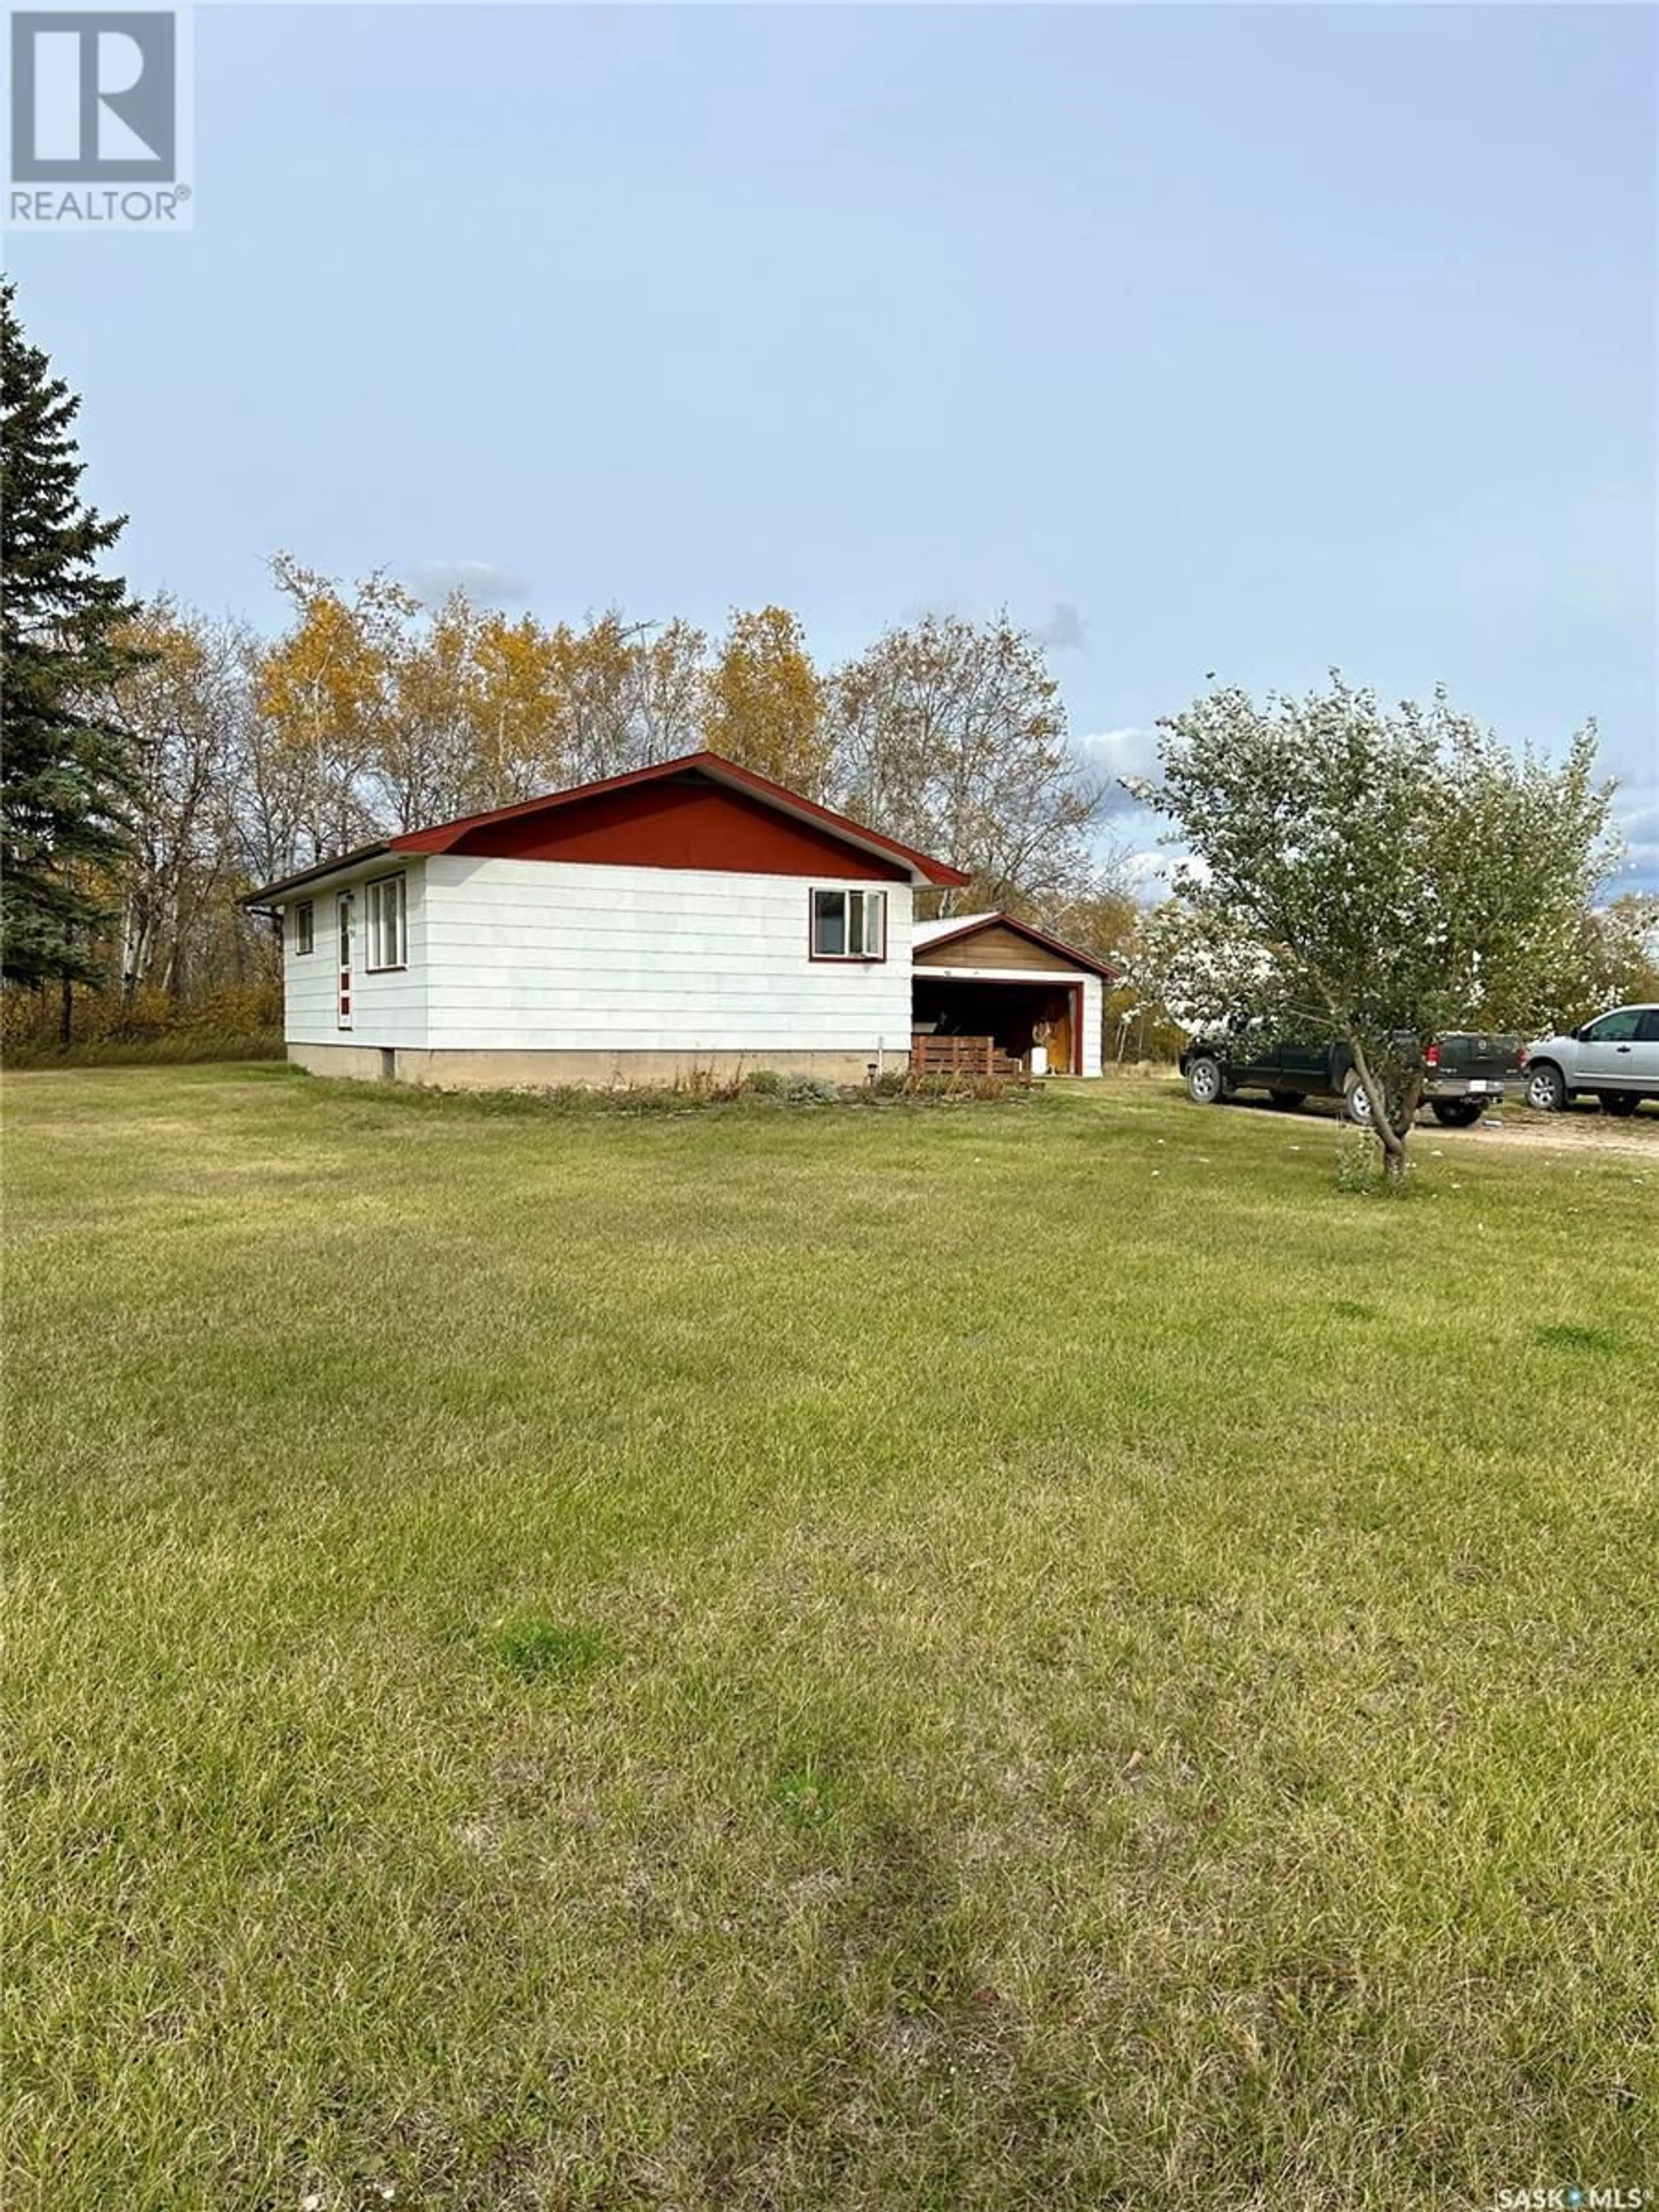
<point>1210,338</point>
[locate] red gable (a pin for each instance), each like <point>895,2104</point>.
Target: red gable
<point>701,812</point>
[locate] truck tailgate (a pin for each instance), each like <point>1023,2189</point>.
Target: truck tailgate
<point>1475,1055</point>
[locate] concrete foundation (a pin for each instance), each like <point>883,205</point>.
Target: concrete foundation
<point>592,1071</point>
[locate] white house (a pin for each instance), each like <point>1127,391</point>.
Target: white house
<point>690,916</point>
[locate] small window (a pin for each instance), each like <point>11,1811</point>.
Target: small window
<point>1649,1032</point>
<point>1613,1029</point>
<point>388,929</point>
<point>304,930</point>
<point>849,925</point>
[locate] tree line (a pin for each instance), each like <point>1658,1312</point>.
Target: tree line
<point>159,762</point>
<point>370,713</point>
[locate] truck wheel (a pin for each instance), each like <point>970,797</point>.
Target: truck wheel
<point>1289,1100</point>
<point>1204,1083</point>
<point>1456,1113</point>
<point>1619,1102</point>
<point>1546,1088</point>
<point>1357,1103</point>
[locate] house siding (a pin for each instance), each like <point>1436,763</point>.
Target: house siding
<point>527,970</point>
<point>1094,1000</point>
<point>388,1008</point>
<point>993,947</point>
<point>521,955</point>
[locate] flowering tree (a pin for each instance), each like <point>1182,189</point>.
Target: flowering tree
<point>1376,876</point>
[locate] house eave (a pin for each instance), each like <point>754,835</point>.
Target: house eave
<point>1034,977</point>
<point>307,878</point>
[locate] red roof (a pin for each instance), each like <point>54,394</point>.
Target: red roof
<point>718,770</point>
<point>759,791</point>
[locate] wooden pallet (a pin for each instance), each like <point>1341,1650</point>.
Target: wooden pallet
<point>965,1055</point>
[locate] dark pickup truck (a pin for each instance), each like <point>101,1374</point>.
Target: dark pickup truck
<point>1466,1072</point>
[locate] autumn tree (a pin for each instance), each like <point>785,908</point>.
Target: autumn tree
<point>326,696</point>
<point>567,705</point>
<point>668,690</point>
<point>623,697</point>
<point>517,741</point>
<point>425,762</point>
<point>951,736</point>
<point>1376,875</point>
<point>187,698</point>
<point>1620,957</point>
<point>1098,912</point>
<point>68,766</point>
<point>764,701</point>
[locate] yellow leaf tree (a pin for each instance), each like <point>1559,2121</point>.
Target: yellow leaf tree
<point>764,701</point>
<point>325,692</point>
<point>519,741</point>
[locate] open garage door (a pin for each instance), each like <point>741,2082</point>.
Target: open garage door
<point>1016,1016</point>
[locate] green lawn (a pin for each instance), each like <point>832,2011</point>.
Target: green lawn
<point>1010,1657</point>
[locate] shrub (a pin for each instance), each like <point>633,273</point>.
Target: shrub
<point>813,1091</point>
<point>232,1022</point>
<point>767,1083</point>
<point>1361,1167</point>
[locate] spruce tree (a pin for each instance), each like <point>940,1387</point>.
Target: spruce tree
<point>65,772</point>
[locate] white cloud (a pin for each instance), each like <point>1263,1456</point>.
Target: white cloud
<point>1117,753</point>
<point>1636,818</point>
<point>1065,629</point>
<point>1128,843</point>
<point>1128,752</point>
<point>485,583</point>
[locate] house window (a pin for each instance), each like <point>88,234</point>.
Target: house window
<point>305,926</point>
<point>849,925</point>
<point>388,922</point>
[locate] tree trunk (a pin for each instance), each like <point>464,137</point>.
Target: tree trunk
<point>1392,1138</point>
<point>1412,1099</point>
<point>65,1011</point>
<point>129,954</point>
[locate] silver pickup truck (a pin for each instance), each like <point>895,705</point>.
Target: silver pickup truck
<point>1615,1058</point>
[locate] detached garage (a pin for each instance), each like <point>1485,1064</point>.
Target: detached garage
<point>1031,1003</point>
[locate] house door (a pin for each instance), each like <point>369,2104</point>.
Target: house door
<point>342,931</point>
<point>1059,1036</point>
